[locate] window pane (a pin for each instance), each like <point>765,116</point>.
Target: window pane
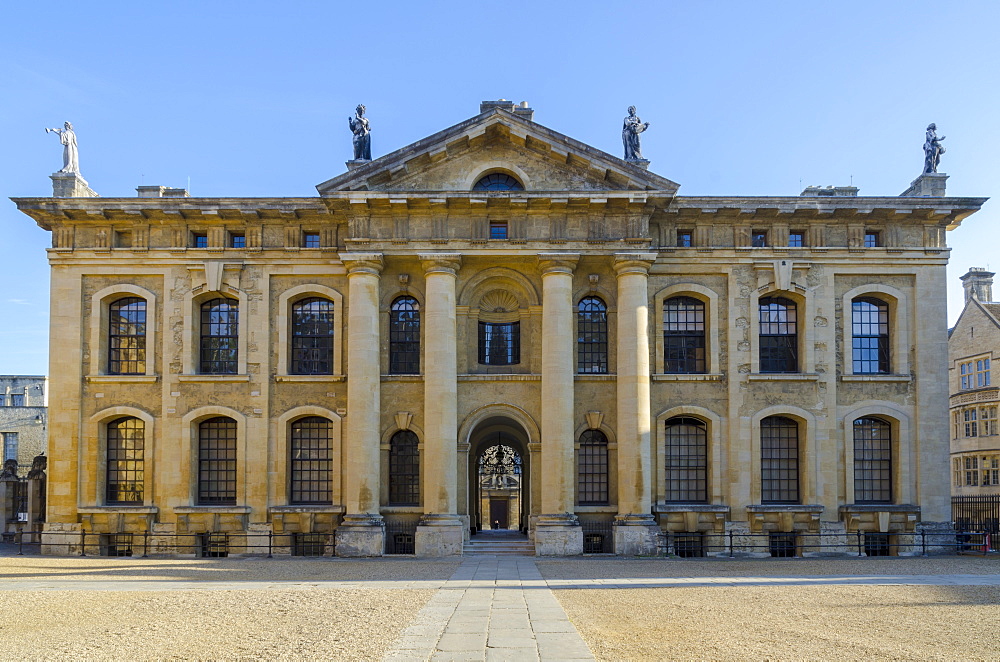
<point>217,461</point>
<point>404,337</point>
<point>870,336</point>
<point>592,469</point>
<point>592,336</point>
<point>687,460</point>
<point>311,461</point>
<point>498,181</point>
<point>125,446</point>
<point>127,336</point>
<point>779,460</point>
<point>683,335</point>
<point>219,337</point>
<point>778,335</point>
<point>404,469</point>
<point>312,337</point>
<point>499,344</point>
<point>872,461</point>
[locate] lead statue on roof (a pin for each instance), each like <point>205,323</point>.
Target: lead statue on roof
<point>933,149</point>
<point>362,134</point>
<point>631,129</point>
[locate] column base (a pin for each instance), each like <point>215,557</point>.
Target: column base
<point>558,535</point>
<point>361,535</point>
<point>439,535</point>
<point>635,535</point>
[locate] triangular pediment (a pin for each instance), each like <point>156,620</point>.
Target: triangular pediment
<point>498,141</point>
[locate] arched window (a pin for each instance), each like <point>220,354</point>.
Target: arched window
<point>404,336</point>
<point>592,469</point>
<point>311,461</point>
<point>499,329</point>
<point>872,461</point>
<point>779,340</point>
<point>127,336</point>
<point>312,337</point>
<point>592,336</point>
<point>220,337</point>
<point>217,462</point>
<point>870,336</point>
<point>683,335</point>
<point>779,460</point>
<point>404,469</point>
<point>125,446</point>
<point>498,181</point>
<point>687,460</point>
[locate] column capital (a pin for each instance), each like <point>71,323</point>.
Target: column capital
<point>558,263</point>
<point>633,263</point>
<point>436,263</point>
<point>368,263</point>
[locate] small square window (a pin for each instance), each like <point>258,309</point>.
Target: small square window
<point>796,239</point>
<point>3,401</point>
<point>758,238</point>
<point>498,230</point>
<point>684,239</point>
<point>16,399</point>
<point>871,240</point>
<point>237,240</point>
<point>310,240</point>
<point>199,240</point>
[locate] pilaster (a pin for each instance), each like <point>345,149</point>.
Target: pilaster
<point>440,532</point>
<point>362,533</point>
<point>558,531</point>
<point>635,526</point>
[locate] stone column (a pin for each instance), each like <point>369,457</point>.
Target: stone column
<point>558,531</point>
<point>635,527</point>
<point>362,533</point>
<point>440,532</point>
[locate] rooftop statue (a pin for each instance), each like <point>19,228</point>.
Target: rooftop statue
<point>362,134</point>
<point>630,135</point>
<point>71,159</point>
<point>933,149</point>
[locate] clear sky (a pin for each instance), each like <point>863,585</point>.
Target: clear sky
<point>251,98</point>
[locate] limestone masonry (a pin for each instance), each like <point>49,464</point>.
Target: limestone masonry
<point>498,327</point>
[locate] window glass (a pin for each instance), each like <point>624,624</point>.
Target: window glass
<point>498,230</point>
<point>870,336</point>
<point>9,446</point>
<point>872,461</point>
<point>404,336</point>
<point>125,468</point>
<point>779,461</point>
<point>684,239</point>
<point>404,469</point>
<point>311,461</point>
<point>237,240</point>
<point>687,460</point>
<point>498,181</point>
<point>871,239</point>
<point>312,337</point>
<point>219,337</point>
<point>310,240</point>
<point>592,336</point>
<point>778,335</point>
<point>199,240</point>
<point>16,399</point>
<point>127,336</point>
<point>758,238</point>
<point>684,335</point>
<point>796,239</point>
<point>499,343</point>
<point>217,461</point>
<point>592,469</point>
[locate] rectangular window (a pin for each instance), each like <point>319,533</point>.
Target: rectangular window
<point>972,471</point>
<point>3,400</point>
<point>498,230</point>
<point>987,421</point>
<point>966,370</point>
<point>684,239</point>
<point>499,344</point>
<point>796,239</point>
<point>779,460</point>
<point>310,240</point>
<point>871,239</point>
<point>991,470</point>
<point>16,399</point>
<point>956,468</point>
<point>199,240</point>
<point>237,240</point>
<point>9,446</point>
<point>758,238</point>
<point>982,373</point>
<point>971,425</point>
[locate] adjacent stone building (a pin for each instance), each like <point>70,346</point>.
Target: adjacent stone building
<point>23,417</point>
<point>499,319</point>
<point>973,347</point>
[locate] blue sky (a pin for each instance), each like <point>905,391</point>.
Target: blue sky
<point>251,99</point>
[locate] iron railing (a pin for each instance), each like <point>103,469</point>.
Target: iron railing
<point>597,537</point>
<point>978,513</point>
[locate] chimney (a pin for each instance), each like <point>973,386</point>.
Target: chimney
<point>978,283</point>
<point>161,192</point>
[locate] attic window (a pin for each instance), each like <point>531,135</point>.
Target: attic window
<point>498,181</point>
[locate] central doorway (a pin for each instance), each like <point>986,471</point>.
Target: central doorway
<point>499,486</point>
<point>499,472</point>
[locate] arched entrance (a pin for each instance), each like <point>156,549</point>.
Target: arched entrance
<point>498,471</point>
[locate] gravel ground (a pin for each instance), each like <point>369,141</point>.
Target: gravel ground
<point>788,623</point>
<point>245,624</point>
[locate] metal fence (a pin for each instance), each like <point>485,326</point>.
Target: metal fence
<point>792,544</point>
<point>400,536</point>
<point>978,513</point>
<point>597,537</point>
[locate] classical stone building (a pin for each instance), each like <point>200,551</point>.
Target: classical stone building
<point>23,417</point>
<point>643,361</point>
<point>973,344</point>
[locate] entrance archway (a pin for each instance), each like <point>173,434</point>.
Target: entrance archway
<point>499,494</point>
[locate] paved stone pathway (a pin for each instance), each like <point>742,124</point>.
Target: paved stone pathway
<point>492,608</point>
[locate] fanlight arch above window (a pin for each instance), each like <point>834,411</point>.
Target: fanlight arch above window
<point>498,181</point>
<point>498,306</point>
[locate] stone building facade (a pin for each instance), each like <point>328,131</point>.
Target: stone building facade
<point>973,348</point>
<point>344,362</point>
<point>23,417</point>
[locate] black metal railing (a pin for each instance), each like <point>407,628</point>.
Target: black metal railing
<point>400,536</point>
<point>789,544</point>
<point>978,513</point>
<point>597,537</point>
